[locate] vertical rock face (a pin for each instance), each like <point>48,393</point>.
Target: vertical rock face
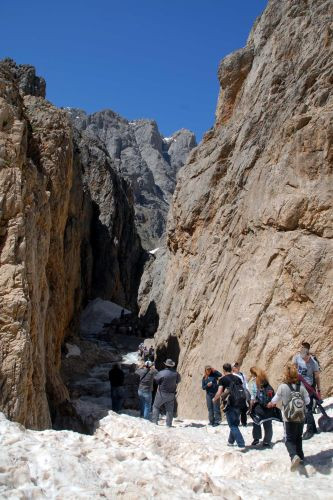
<point>111,252</point>
<point>66,234</point>
<point>250,232</point>
<point>148,161</point>
<point>36,305</point>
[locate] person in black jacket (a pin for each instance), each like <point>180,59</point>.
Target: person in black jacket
<point>167,381</point>
<point>210,385</point>
<point>116,377</point>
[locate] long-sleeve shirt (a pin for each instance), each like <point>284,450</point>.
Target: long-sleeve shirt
<point>213,377</point>
<point>146,376</point>
<point>167,380</point>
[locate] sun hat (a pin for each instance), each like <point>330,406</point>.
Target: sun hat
<point>170,363</point>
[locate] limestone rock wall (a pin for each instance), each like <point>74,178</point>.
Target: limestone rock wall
<point>36,305</point>
<point>250,267</point>
<point>67,234</point>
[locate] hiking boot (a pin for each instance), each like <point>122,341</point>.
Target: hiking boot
<point>266,445</point>
<point>295,463</point>
<point>231,444</point>
<point>308,435</point>
<point>255,442</point>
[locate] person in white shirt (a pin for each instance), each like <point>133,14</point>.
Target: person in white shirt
<point>308,368</point>
<point>242,376</point>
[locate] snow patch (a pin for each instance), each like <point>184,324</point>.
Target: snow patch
<point>131,458</point>
<point>73,350</point>
<point>97,313</point>
<point>152,252</point>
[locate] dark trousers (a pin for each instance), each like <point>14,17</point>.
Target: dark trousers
<point>233,417</point>
<point>214,411</point>
<point>117,398</point>
<point>268,428</point>
<point>168,401</point>
<point>294,431</point>
<point>310,421</point>
<point>243,415</point>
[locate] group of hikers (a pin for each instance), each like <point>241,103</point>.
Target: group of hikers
<point>146,354</point>
<point>241,398</point>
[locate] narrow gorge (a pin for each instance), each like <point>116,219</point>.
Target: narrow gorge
<point>230,255</point>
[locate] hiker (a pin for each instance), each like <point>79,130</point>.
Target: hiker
<point>210,385</point>
<point>151,354</point>
<point>116,377</point>
<point>294,398</point>
<point>166,381</point>
<point>308,369</point>
<point>233,395</point>
<point>146,374</point>
<point>261,394</point>
<point>243,411</point>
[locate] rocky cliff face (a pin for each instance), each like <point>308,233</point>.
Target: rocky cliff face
<point>250,232</point>
<point>64,214</point>
<point>144,158</point>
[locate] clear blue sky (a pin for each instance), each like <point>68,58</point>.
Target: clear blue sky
<point>141,58</point>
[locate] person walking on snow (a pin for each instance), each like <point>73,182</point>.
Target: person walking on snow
<point>116,377</point>
<point>145,392</point>
<point>210,385</point>
<point>261,394</point>
<point>228,385</point>
<point>293,412</point>
<point>166,381</point>
<point>308,368</point>
<point>242,376</point>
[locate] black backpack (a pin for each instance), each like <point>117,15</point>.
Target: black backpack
<point>237,395</point>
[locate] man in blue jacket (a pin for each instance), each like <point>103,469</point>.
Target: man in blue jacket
<point>210,385</point>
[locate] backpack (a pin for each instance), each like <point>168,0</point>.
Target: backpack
<point>294,411</point>
<point>237,395</point>
<point>265,394</point>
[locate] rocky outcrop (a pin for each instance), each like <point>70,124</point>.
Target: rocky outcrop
<point>66,234</point>
<point>144,158</point>
<point>250,232</point>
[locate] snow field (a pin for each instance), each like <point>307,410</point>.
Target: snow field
<point>131,458</point>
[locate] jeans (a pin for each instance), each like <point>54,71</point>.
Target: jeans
<point>268,428</point>
<point>145,398</point>
<point>293,439</point>
<point>168,401</point>
<point>117,398</point>
<point>214,411</point>
<point>233,417</point>
<point>310,421</point>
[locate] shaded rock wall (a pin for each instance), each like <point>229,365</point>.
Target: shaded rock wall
<point>250,231</point>
<point>66,234</point>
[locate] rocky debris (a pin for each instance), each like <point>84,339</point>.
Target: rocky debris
<point>87,379</point>
<point>67,234</point>
<point>249,272</point>
<point>145,159</point>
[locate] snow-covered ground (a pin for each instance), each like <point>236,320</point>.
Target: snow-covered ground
<point>97,313</point>
<point>130,458</point>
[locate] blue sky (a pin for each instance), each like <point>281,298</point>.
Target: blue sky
<point>141,58</point>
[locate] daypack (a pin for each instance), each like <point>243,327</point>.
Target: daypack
<point>237,395</point>
<point>265,394</point>
<point>295,409</point>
